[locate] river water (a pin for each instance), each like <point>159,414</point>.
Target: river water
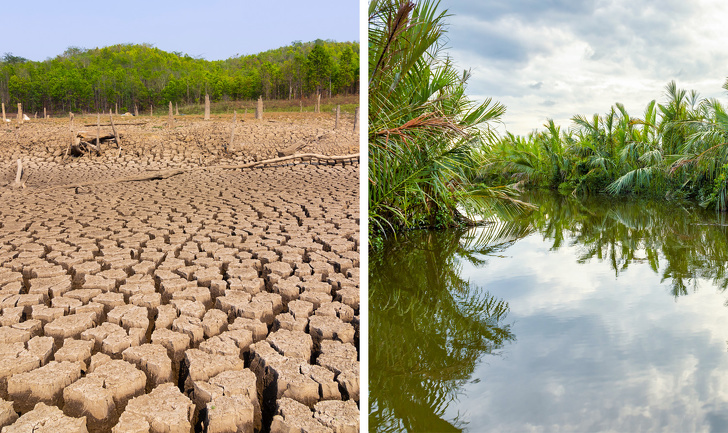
<point>586,316</point>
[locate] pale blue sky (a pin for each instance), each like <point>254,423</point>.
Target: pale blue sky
<point>211,29</point>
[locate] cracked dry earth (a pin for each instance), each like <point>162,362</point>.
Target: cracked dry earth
<point>217,301</point>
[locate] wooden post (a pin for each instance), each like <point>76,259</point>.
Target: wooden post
<point>45,116</point>
<point>151,110</point>
<point>116,108</point>
<point>232,134</point>
<point>338,113</point>
<point>20,113</point>
<point>207,106</point>
<point>170,121</point>
<point>116,136</point>
<point>4,121</point>
<point>301,102</point>
<point>72,141</point>
<point>98,132</point>
<point>259,108</point>
<point>356,117</point>
<point>19,174</point>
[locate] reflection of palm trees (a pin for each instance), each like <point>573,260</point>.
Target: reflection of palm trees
<point>428,326</point>
<point>686,243</point>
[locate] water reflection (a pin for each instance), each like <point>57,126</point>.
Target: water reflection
<point>683,243</point>
<point>592,290</point>
<point>429,327</point>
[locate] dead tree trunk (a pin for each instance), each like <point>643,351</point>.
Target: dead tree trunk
<point>176,109</point>
<point>98,132</point>
<point>232,133</point>
<point>317,109</point>
<point>20,113</point>
<point>4,113</point>
<point>259,109</point>
<point>72,141</point>
<point>356,117</point>
<point>45,116</point>
<point>19,174</point>
<point>116,136</point>
<point>338,113</point>
<point>170,121</point>
<point>207,106</point>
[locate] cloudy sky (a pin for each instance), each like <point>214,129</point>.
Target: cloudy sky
<point>557,58</point>
<point>211,29</point>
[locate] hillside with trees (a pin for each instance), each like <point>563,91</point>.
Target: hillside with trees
<point>141,75</point>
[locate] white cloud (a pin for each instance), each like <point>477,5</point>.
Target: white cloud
<point>587,55</point>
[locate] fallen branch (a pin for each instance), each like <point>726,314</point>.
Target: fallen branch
<point>164,174</point>
<point>117,124</point>
<point>302,156</point>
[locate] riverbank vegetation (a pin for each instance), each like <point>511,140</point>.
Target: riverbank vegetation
<point>435,161</point>
<point>128,76</point>
<point>675,149</point>
<point>425,134</point>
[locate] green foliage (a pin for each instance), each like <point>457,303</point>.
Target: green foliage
<point>424,133</point>
<point>141,75</point>
<point>11,59</point>
<point>719,194</point>
<point>676,149</point>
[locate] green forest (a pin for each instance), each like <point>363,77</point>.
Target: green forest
<point>141,76</point>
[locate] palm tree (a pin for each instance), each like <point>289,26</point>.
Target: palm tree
<point>423,130</point>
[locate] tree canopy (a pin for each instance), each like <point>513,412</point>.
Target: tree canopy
<point>130,75</point>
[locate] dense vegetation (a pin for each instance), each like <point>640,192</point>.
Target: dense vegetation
<point>424,133</point>
<point>676,149</point>
<point>433,159</point>
<point>142,75</point>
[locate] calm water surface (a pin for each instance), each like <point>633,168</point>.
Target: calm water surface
<point>586,316</point>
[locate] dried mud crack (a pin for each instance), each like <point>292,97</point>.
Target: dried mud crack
<point>212,300</point>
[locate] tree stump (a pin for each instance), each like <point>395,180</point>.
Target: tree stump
<point>19,174</point>
<point>170,120</point>
<point>259,108</point>
<point>232,134</point>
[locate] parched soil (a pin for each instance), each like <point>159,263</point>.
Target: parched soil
<point>214,300</point>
